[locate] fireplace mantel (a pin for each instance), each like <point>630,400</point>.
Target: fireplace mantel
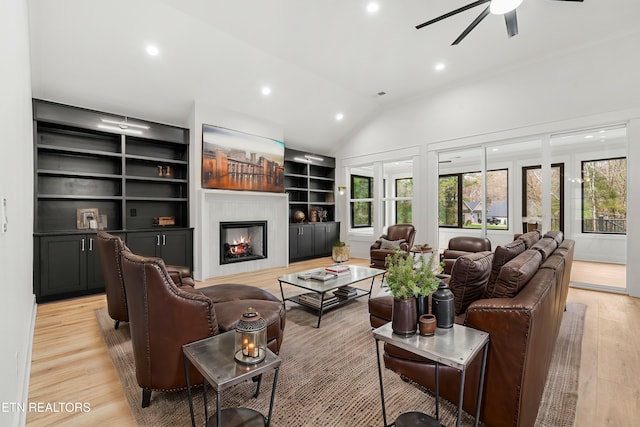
<point>216,206</point>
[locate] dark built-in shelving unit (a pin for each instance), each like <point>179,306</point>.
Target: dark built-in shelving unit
<point>130,172</point>
<point>309,180</point>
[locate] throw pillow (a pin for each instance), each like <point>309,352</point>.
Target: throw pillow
<point>390,244</point>
<point>501,256</point>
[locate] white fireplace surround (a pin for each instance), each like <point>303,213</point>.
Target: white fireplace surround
<point>216,206</point>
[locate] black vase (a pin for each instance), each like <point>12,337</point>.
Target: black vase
<point>442,306</point>
<point>422,305</point>
<point>404,318</point>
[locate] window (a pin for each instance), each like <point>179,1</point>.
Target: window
<point>604,196</point>
<point>404,193</point>
<point>448,192</point>
<point>460,200</point>
<point>532,192</point>
<point>361,201</point>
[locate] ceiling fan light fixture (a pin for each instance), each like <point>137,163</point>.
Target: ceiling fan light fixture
<point>500,7</point>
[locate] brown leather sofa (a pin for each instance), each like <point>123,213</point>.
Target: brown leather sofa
<point>462,245</point>
<point>521,310</point>
<point>398,236</point>
<point>164,315</point>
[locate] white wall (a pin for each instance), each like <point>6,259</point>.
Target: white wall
<point>210,205</point>
<point>595,85</point>
<point>17,305</point>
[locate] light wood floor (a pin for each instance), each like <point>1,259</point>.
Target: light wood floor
<point>71,363</point>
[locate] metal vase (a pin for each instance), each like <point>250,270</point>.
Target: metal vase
<point>404,318</point>
<point>442,306</point>
<point>422,305</point>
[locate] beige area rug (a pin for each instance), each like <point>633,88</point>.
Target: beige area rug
<point>329,377</point>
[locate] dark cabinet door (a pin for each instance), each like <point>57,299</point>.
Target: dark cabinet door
<point>63,264</point>
<point>174,246</point>
<point>307,241</point>
<point>301,241</point>
<point>326,235</point>
<point>177,247</point>
<point>95,275</point>
<point>145,243</point>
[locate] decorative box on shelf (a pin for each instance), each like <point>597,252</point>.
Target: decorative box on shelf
<point>164,220</point>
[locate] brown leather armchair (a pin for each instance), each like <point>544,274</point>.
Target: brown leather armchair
<point>109,248</point>
<point>164,316</point>
<point>401,235</point>
<point>462,245</point>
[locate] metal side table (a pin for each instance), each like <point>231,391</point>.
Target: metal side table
<point>455,347</point>
<point>214,358</point>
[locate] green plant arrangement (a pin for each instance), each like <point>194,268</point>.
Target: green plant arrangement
<point>408,278</point>
<point>339,244</point>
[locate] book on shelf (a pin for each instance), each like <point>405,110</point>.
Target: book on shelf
<point>313,299</point>
<point>345,292</point>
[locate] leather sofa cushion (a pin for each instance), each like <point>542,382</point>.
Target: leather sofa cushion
<point>516,273</point>
<point>381,308</point>
<point>530,238</point>
<point>556,235</point>
<point>469,279</point>
<point>501,256</point>
<point>390,244</point>
<point>545,246</point>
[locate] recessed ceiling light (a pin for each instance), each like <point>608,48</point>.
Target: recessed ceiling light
<point>373,7</point>
<point>339,116</point>
<point>266,90</point>
<point>439,66</point>
<point>153,50</point>
<point>588,136</point>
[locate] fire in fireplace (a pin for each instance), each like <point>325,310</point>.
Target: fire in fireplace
<point>242,241</point>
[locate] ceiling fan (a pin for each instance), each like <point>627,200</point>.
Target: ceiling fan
<point>497,7</point>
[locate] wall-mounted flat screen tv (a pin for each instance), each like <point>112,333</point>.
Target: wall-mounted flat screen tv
<point>234,160</point>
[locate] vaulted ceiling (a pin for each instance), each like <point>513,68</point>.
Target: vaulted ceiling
<point>319,58</point>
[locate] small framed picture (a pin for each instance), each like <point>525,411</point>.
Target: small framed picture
<point>87,218</point>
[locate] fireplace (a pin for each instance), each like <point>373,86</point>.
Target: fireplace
<point>242,241</point>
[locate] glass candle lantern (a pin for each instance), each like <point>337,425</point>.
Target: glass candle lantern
<point>251,338</point>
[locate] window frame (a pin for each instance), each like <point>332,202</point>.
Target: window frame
<point>369,200</point>
<point>460,222</point>
<point>582,195</point>
<point>561,181</point>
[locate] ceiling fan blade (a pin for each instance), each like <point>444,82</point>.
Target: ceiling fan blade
<point>512,23</point>
<point>475,22</point>
<point>453,12</point>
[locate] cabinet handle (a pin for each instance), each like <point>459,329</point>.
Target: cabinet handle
<point>301,231</point>
<point>90,245</point>
<point>157,240</point>
<point>82,245</point>
<point>164,240</point>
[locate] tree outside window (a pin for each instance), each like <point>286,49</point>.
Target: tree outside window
<point>404,188</point>
<point>604,196</point>
<point>361,201</point>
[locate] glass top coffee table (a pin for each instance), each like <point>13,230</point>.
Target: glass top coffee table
<point>319,297</point>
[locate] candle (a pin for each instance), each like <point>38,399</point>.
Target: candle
<point>252,350</point>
